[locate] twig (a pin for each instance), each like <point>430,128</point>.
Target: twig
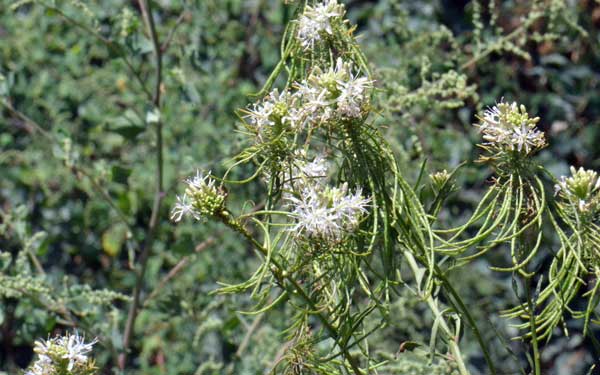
<point>177,268</point>
<point>109,43</point>
<point>165,46</point>
<point>146,10</point>
<point>452,343</point>
<point>278,357</point>
<point>494,46</point>
<point>246,340</point>
<point>534,340</point>
<point>293,287</point>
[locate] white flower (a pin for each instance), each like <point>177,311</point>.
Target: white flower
<point>201,181</point>
<point>508,127</point>
<point>201,198</point>
<point>52,353</point>
<point>42,366</point>
<point>333,94</point>
<point>271,109</point>
<point>316,169</point>
<point>76,349</point>
<point>307,174</point>
<point>327,214</point>
<point>352,95</point>
<point>182,208</point>
<point>316,20</point>
<point>525,138</point>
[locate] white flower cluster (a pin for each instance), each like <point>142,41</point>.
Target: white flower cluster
<point>62,353</point>
<point>305,174</point>
<point>583,187</point>
<point>335,94</point>
<point>317,20</point>
<point>508,127</point>
<point>323,212</point>
<point>201,198</point>
<point>328,214</point>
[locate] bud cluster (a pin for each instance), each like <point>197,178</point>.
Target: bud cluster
<point>439,179</point>
<point>581,189</point>
<point>201,198</point>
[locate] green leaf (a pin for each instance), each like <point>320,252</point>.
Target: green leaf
<point>113,239</point>
<point>120,174</point>
<point>129,132</point>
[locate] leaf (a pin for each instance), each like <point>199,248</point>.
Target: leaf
<point>128,132</point>
<point>129,125</point>
<point>5,259</point>
<point>113,239</point>
<point>120,174</point>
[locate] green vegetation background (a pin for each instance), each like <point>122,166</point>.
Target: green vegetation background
<point>437,63</point>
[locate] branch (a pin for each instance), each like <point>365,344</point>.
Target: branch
<point>146,10</point>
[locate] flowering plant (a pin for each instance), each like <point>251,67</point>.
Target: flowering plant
<point>339,216</point>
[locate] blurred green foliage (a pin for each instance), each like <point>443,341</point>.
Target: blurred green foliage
<point>64,246</point>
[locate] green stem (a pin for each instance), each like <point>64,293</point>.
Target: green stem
<point>465,312</point>
<point>534,340</point>
<point>453,345</point>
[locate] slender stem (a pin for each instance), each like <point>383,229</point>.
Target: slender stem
<point>183,262</point>
<point>454,348</point>
<point>107,42</point>
<point>146,10</point>
<point>494,46</point>
<point>534,339</point>
<point>465,312</point>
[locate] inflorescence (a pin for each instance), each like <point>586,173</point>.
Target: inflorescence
<point>316,22</point>
<point>328,214</point>
<point>582,190</point>
<point>508,128</point>
<point>201,199</point>
<point>337,94</point>
<point>63,355</point>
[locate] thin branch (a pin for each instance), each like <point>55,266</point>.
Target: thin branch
<point>146,10</point>
<point>177,269</point>
<point>165,46</point>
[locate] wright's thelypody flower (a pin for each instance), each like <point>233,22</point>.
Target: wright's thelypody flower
<point>353,95</point>
<point>508,127</point>
<point>306,174</point>
<point>201,198</point>
<point>326,96</point>
<point>275,109</point>
<point>582,188</point>
<point>67,354</point>
<point>328,214</point>
<point>316,20</point>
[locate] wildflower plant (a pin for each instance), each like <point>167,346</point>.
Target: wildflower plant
<point>334,200</point>
<point>339,218</point>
